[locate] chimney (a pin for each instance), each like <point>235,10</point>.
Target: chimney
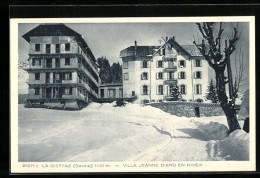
<point>135,48</point>
<point>173,37</point>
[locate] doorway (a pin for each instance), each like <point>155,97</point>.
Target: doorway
<point>197,111</point>
<point>102,93</point>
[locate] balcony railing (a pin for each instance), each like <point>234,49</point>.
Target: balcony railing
<point>170,81</point>
<point>170,69</point>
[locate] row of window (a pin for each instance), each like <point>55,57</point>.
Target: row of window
<point>64,91</point>
<point>57,76</point>
<point>48,47</point>
<point>159,75</point>
<point>159,64</point>
<point>182,89</point>
<point>37,62</point>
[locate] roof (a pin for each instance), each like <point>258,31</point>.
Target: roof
<point>141,50</point>
<point>191,50</point>
<point>57,29</point>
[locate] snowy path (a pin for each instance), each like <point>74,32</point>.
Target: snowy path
<point>107,133</point>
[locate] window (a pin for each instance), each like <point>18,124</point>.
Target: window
<point>121,93</point>
<point>67,47</point>
<point>67,76</point>
<point>197,63</point>
<point>37,91</point>
<point>183,89</point>
<point>197,75</point>
<point>182,63</point>
<point>37,47</point>
<point>36,62</point>
<point>182,75</point>
<point>48,48</point>
<point>144,90</point>
<point>57,48</point>
<point>49,62</point>
<point>68,91</point>
<point>125,65</point>
<point>197,89</point>
<point>126,77</point>
<point>111,93</point>
<point>159,64</point>
<point>159,75</point>
<point>144,64</point>
<point>170,75</point>
<point>144,76</point>
<point>133,93</point>
<point>160,90</point>
<point>67,61</point>
<point>37,76</point>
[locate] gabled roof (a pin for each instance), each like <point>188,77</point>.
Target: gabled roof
<point>143,51</point>
<point>57,29</point>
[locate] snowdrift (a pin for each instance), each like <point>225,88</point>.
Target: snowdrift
<point>212,130</point>
<point>233,147</point>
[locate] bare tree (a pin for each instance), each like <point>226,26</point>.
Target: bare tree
<point>218,58</point>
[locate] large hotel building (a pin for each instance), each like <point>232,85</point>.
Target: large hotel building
<point>62,67</point>
<point>151,72</point>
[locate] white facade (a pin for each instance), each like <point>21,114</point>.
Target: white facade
<point>166,67</point>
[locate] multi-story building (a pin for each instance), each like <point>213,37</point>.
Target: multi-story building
<point>151,72</point>
<point>62,67</point>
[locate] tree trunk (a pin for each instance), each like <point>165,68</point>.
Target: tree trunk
<point>228,108</point>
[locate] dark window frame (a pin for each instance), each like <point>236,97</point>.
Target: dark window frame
<point>37,91</point>
<point>48,48</point>
<point>67,61</point>
<point>67,46</point>
<point>37,47</point>
<point>37,76</point>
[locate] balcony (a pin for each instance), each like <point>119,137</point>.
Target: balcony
<point>170,69</point>
<point>169,81</point>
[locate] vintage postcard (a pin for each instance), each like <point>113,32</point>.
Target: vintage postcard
<point>132,94</point>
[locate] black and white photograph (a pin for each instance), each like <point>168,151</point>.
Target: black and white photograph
<point>132,94</point>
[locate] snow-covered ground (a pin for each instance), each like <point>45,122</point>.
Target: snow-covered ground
<point>102,132</point>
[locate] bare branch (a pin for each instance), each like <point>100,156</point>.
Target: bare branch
<point>202,49</point>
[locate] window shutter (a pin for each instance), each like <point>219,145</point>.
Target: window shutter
<point>184,63</point>
<point>194,75</point>
<point>141,64</point>
<point>195,89</point>
<point>148,89</point>
<point>157,89</point>
<point>157,64</point>
<point>162,89</point>
<point>185,89</point>
<point>141,76</point>
<point>179,63</point>
<point>200,63</point>
<point>179,88</point>
<point>141,90</point>
<point>157,75</point>
<point>179,75</point>
<point>168,75</point>
<point>194,62</point>
<point>185,75</point>
<point>147,74</point>
<point>201,75</point>
<point>200,89</point>
<point>148,64</point>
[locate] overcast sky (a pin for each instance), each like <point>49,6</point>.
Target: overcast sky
<point>108,39</point>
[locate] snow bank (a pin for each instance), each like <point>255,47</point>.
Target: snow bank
<point>233,147</point>
<point>212,130</point>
